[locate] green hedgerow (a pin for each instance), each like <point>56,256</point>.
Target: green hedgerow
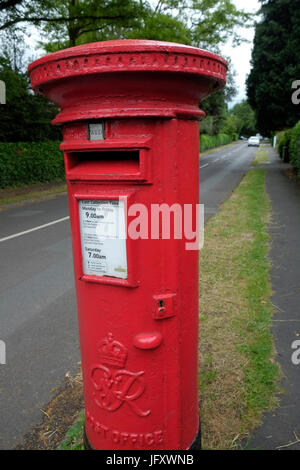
<point>208,142</point>
<point>30,162</point>
<point>295,148</point>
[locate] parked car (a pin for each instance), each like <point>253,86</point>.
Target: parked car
<point>253,142</point>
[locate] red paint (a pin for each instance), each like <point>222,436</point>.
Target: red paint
<point>138,335</point>
<point>148,340</point>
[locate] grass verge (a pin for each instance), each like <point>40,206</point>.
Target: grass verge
<point>31,192</point>
<point>261,157</point>
<point>58,417</point>
<point>73,439</point>
<point>238,376</point>
<point>216,149</point>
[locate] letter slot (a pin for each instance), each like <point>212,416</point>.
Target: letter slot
<point>108,165</point>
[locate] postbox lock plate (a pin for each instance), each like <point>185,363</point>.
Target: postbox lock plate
<point>163,306</point>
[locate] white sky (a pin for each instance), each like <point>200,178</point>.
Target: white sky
<point>240,55</point>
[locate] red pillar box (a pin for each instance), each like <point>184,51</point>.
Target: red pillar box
<point>129,113</point>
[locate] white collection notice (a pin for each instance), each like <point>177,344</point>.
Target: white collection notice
<point>103,237</point>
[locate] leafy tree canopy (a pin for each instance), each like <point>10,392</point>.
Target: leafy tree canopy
<point>275,65</point>
<point>245,119</point>
<point>202,23</point>
<point>25,116</point>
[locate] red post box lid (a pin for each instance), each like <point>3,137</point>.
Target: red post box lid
<point>75,78</point>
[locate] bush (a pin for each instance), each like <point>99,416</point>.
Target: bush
<point>295,147</point>
<point>31,162</point>
<point>283,144</point>
<point>210,141</point>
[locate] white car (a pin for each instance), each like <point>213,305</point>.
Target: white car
<point>253,142</point>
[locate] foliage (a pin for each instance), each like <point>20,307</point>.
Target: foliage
<point>202,23</point>
<point>283,144</point>
<point>215,108</point>
<point>83,19</point>
<point>214,22</point>
<point>206,22</point>
<point>275,65</point>
<point>231,125</point>
<point>7,4</point>
<point>210,141</point>
<point>27,163</point>
<point>295,148</point>
<point>25,117</point>
<point>240,120</point>
<point>73,439</point>
<point>245,118</point>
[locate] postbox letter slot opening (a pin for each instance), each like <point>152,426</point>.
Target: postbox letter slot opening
<point>110,163</point>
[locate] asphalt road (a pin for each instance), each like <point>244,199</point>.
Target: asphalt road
<point>220,173</point>
<point>38,320</point>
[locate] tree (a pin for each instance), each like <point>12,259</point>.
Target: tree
<point>152,24</point>
<point>206,22</point>
<point>215,106</point>
<point>6,4</point>
<point>245,116</point>
<point>214,22</point>
<point>202,23</point>
<point>240,120</point>
<point>210,22</point>
<point>275,65</point>
<point>231,125</point>
<point>83,18</point>
<point>71,19</point>
<point>25,116</point>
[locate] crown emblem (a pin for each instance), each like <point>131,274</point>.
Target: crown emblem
<point>111,352</point>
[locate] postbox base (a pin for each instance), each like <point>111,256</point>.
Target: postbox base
<point>196,445</point>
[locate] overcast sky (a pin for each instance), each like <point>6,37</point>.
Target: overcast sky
<point>240,56</point>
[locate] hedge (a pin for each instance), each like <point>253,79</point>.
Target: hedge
<point>30,162</point>
<point>283,144</point>
<point>295,148</point>
<point>210,141</point>
<point>39,162</point>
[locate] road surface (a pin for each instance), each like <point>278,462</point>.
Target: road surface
<point>38,320</point>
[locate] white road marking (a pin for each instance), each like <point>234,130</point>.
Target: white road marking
<point>33,229</point>
<point>203,166</point>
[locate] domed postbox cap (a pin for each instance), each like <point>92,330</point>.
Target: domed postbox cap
<point>128,78</point>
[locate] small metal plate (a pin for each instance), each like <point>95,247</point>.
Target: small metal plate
<point>96,131</point>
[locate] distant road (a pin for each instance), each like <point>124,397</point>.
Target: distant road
<point>221,172</point>
<point>38,319</point>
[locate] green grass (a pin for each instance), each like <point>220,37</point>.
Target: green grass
<point>73,439</point>
<point>238,375</point>
<point>30,193</point>
<point>261,157</point>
